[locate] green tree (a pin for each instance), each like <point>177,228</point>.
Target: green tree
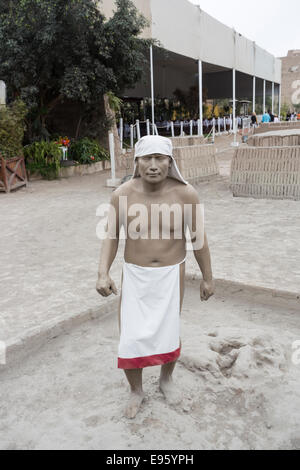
<point>53,50</point>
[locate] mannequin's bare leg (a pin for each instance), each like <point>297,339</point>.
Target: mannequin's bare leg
<point>166,384</point>
<point>134,377</point>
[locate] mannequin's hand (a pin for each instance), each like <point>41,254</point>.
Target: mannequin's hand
<point>207,289</point>
<point>105,286</point>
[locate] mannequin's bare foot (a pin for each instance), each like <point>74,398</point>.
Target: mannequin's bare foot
<point>170,392</point>
<point>134,404</point>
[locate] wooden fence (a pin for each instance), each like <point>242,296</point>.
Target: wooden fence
<point>12,174</point>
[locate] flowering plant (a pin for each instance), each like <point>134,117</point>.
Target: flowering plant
<point>63,142</point>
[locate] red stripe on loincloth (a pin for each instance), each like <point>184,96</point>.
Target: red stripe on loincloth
<point>148,361</point>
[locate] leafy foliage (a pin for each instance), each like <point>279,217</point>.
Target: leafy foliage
<point>87,151</point>
<point>12,129</point>
<point>43,157</point>
<point>52,50</point>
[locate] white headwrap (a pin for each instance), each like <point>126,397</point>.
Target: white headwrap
<point>150,144</point>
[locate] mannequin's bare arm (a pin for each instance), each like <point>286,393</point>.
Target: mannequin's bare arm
<point>105,285</point>
<point>200,245</point>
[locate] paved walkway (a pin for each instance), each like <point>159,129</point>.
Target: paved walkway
<point>49,249</point>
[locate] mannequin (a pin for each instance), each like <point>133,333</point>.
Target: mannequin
<point>154,265</point>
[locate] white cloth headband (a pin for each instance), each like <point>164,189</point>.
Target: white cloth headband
<point>156,144</point>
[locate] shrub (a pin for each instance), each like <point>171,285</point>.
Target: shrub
<point>87,151</point>
<point>12,127</point>
<point>43,157</point>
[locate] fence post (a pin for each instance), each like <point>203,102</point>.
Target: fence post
<point>172,129</point>
<point>148,126</point>
<point>181,128</point>
<point>131,136</point>
<point>191,127</point>
<point>138,130</point>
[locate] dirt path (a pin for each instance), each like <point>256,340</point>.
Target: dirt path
<point>239,386</point>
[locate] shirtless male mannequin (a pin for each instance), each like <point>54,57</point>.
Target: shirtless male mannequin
<point>153,184</point>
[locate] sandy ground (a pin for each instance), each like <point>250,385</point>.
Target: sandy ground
<point>49,249</point>
<point>239,386</point>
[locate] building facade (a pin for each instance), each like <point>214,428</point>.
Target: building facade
<point>290,90</point>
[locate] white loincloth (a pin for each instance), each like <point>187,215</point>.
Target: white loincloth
<point>150,316</point>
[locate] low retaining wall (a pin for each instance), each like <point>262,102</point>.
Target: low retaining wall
<point>80,170</point>
<point>187,141</point>
<point>197,162</point>
<point>266,173</point>
<point>276,126</point>
<point>274,140</point>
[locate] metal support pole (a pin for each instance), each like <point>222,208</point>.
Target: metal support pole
<point>121,133</point>
<point>264,98</point>
<point>254,94</point>
<point>235,143</point>
<point>272,97</point>
<point>200,96</point>
<point>152,89</point>
<point>279,102</point>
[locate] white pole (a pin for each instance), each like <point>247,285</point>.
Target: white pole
<point>224,124</point>
<point>219,126</point>
<point>121,132</point>
<point>279,103</point>
<point>155,129</point>
<point>199,127</point>
<point>113,182</point>
<point>148,126</point>
<point>181,128</point>
<point>234,108</point>
<point>214,130</point>
<point>254,94</point>
<point>138,130</point>
<point>152,89</point>
<point>272,97</point>
<point>172,129</point>
<point>264,98</point>
<point>131,136</point>
<point>191,127</point>
<point>200,96</point>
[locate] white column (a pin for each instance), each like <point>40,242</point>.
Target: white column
<point>200,96</point>
<point>264,97</point>
<point>152,89</point>
<point>272,97</point>
<point>191,127</point>
<point>254,94</point>
<point>181,128</point>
